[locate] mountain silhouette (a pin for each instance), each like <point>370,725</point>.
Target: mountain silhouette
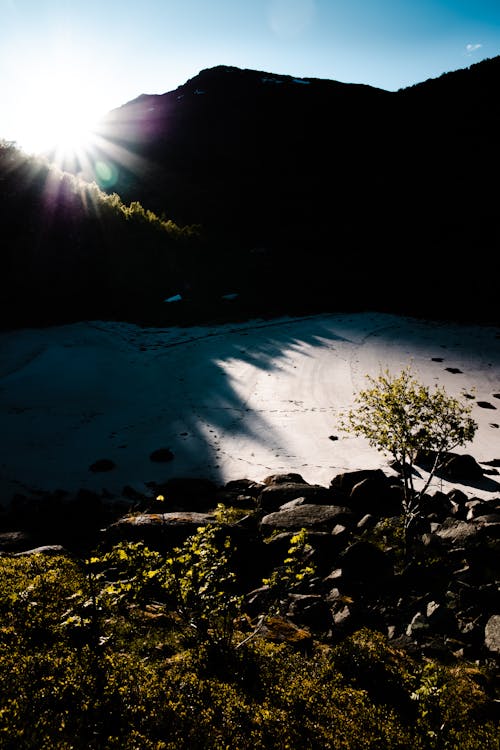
<point>350,190</point>
<point>311,194</point>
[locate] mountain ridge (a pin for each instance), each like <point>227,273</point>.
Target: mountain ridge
<point>327,170</point>
<point>307,195</point>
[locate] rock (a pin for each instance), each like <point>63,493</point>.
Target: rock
<point>476,507</point>
<point>462,467</point>
<point>346,481</point>
<point>313,517</point>
<point>418,628</point>
<point>14,541</point>
<point>333,580</point>
<point>458,533</point>
<point>340,534</point>
<point>374,495</point>
<point>437,506</point>
<point>457,499</point>
<point>431,542</point>
<point>333,596</point>
<point>158,529</point>
<point>344,621</point>
<point>367,522</point>
<point>489,525</point>
<point>275,495</point>
<point>453,466</point>
<point>240,493</point>
<point>243,487</point>
<point>440,618</point>
<point>48,550</point>
<point>492,635</point>
<point>290,478</point>
<point>291,504</point>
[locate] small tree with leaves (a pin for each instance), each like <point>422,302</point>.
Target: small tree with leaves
<point>402,417</point>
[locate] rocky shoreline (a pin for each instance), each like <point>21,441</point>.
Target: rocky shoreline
<point>441,601</point>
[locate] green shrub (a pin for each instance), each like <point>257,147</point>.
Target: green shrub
<point>128,681</point>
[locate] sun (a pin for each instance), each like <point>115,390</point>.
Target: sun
<point>64,119</point>
<point>58,108</point>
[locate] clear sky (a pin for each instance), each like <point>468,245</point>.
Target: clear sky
<point>92,55</point>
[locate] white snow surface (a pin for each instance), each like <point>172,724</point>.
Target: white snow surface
<point>230,401</point>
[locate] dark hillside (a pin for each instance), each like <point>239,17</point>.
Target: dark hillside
<point>282,171</point>
<point>309,195</point>
<point>356,194</point>
<point>69,251</point>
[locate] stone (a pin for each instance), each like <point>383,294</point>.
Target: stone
<point>462,467</point>
<point>374,495</point>
<point>157,528</point>
<point>47,550</point>
<point>289,478</point>
<point>14,541</point>
<point>243,487</point>
<point>418,627</point>
<point>346,481</point>
<point>457,533</point>
<point>274,496</point>
<point>492,634</point>
<point>161,455</point>
<point>313,517</point>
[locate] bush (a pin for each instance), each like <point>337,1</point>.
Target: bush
<point>130,683</point>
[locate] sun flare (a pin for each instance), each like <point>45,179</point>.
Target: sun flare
<point>59,106</point>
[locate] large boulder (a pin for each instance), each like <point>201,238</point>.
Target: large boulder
<point>289,478</point>
<point>373,494</point>
<point>457,533</point>
<point>453,466</point>
<point>346,481</point>
<point>15,541</point>
<point>47,550</point>
<point>307,516</point>
<point>157,529</point>
<point>462,467</point>
<point>240,493</point>
<point>275,495</point>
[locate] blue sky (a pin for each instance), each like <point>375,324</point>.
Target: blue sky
<point>110,52</point>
